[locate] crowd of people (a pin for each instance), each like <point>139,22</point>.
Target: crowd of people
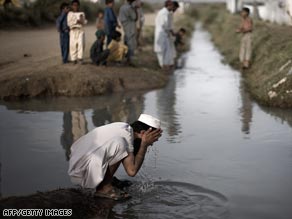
<point>111,46</point>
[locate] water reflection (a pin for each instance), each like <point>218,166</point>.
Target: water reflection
<point>123,107</point>
<point>166,106</point>
<point>285,116</point>
<point>74,126</point>
<point>245,109</point>
<point>127,109</point>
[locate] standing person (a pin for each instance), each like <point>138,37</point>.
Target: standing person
<point>96,156</point>
<point>173,34</point>
<point>100,21</point>
<point>246,29</point>
<point>76,21</point>
<point>97,54</point>
<point>110,20</point>
<point>163,43</point>
<point>128,17</point>
<point>140,21</point>
<point>63,29</point>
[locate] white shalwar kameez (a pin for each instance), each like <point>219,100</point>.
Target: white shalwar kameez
<point>92,154</point>
<point>77,35</point>
<point>163,42</point>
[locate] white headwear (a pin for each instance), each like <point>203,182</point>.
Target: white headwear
<point>150,120</point>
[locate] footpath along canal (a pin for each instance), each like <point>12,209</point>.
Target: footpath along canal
<point>222,155</point>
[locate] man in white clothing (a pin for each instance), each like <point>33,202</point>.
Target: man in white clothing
<point>96,156</point>
<point>76,20</point>
<point>163,36</point>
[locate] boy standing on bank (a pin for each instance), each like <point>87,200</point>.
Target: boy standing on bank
<point>246,29</point>
<point>63,29</point>
<point>76,21</point>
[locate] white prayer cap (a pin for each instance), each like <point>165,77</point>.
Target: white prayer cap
<point>150,120</point>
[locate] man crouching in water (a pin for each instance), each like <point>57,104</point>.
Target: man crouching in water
<point>96,156</point>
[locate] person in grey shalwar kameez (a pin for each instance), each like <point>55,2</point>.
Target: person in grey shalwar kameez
<point>128,18</point>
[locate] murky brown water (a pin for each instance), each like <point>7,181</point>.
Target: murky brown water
<point>221,156</point>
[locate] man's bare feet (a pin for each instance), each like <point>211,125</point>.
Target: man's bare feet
<point>113,193</point>
<point>121,184</point>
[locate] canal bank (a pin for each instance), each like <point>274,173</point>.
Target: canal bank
<point>269,79</point>
<point>31,67</point>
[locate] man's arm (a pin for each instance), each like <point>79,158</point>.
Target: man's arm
<point>131,163</point>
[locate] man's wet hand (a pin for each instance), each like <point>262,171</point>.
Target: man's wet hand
<point>151,136</point>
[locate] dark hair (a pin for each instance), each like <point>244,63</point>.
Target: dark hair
<point>108,1</point>
<point>63,5</point>
<point>116,35</point>
<point>75,1</point>
<point>182,30</point>
<point>246,10</point>
<point>167,3</point>
<point>100,12</point>
<point>175,4</point>
<point>140,126</point>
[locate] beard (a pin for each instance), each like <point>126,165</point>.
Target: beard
<point>137,145</point>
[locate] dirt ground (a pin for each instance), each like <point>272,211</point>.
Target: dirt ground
<point>30,66</point>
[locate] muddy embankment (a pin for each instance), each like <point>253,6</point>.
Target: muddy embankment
<point>269,79</point>
<point>81,202</point>
<point>82,80</point>
<point>30,66</point>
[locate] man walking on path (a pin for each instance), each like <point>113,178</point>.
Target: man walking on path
<point>63,29</point>
<point>246,29</point>
<point>110,20</point>
<point>128,18</point>
<point>96,156</point>
<point>76,21</point>
<point>163,37</point>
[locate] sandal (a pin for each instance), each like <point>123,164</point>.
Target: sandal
<point>115,194</point>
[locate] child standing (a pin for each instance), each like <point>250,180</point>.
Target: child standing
<point>100,21</point>
<point>97,54</point>
<point>76,21</point>
<point>110,20</point>
<point>118,51</point>
<point>246,29</point>
<point>63,29</point>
